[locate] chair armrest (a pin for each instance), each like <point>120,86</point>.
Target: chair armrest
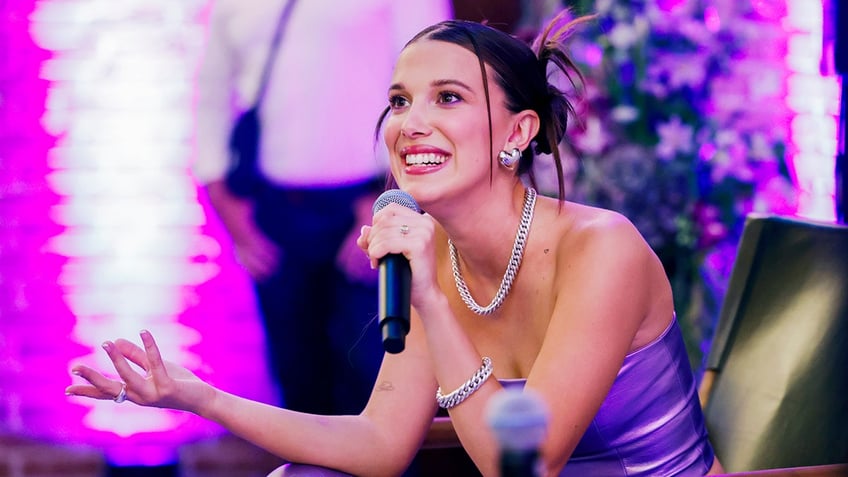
<point>830,470</point>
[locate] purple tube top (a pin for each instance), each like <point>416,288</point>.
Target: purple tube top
<point>650,423</point>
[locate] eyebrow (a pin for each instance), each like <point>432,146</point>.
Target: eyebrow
<point>437,83</point>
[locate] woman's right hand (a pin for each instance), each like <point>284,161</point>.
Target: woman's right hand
<point>397,229</point>
<point>164,384</point>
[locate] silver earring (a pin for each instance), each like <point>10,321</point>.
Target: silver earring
<point>509,159</point>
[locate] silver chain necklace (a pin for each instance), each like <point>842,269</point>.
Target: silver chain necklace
<point>511,269</point>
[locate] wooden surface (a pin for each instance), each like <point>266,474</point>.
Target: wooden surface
<point>836,470</point>
<point>443,436</point>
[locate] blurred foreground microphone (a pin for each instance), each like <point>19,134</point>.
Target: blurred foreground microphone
<point>519,420</point>
<point>395,282</point>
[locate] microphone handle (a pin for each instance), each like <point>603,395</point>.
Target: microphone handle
<point>394,287</point>
<point>516,463</point>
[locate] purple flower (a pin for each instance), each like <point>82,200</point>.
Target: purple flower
<point>675,137</point>
<point>593,138</point>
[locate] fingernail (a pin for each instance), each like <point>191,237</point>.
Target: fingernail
<point>75,372</point>
<point>106,345</point>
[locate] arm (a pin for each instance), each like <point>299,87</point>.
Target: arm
<point>380,441</point>
<point>350,258</point>
<point>452,357</point>
<point>612,285</point>
<point>455,359</point>
<point>216,90</point>
<point>256,252</point>
<point>217,94</point>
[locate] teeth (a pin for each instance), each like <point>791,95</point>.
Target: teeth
<point>428,158</point>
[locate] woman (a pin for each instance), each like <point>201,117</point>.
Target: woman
<point>582,310</point>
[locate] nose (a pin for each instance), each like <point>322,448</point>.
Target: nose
<point>414,123</point>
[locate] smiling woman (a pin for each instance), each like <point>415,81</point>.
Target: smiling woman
<point>469,109</point>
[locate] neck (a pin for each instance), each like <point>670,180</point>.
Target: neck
<point>510,270</point>
<point>484,232</point>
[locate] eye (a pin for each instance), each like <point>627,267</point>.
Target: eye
<point>398,102</point>
<point>449,97</point>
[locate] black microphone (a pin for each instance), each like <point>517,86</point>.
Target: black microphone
<point>395,282</point>
<point>519,420</point>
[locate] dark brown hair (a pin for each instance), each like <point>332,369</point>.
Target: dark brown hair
<point>521,71</point>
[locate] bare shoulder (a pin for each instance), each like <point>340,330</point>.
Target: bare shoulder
<point>601,254</point>
<point>586,228</point>
<point>594,242</point>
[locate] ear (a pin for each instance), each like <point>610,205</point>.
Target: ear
<point>525,126</point>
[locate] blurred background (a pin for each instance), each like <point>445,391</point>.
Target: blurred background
<point>698,113</point>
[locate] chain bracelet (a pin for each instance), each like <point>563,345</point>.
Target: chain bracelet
<point>462,392</point>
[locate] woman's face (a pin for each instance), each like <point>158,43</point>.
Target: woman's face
<point>437,131</point>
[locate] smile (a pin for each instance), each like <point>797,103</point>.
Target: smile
<point>426,159</point>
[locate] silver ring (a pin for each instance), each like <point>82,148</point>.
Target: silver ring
<point>122,395</point>
<point>404,229</point>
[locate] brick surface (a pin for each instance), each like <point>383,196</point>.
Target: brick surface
<point>23,457</point>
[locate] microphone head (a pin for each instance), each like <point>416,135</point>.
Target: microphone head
<point>395,196</point>
<point>518,418</point>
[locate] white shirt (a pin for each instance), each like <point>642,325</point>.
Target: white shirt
<point>327,88</point>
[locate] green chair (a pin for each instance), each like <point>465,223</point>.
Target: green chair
<point>775,390</point>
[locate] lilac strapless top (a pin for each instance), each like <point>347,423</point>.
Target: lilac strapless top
<point>650,423</point>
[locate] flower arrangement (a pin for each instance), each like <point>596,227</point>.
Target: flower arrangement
<point>664,138</point>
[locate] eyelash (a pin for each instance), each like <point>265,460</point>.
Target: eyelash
<point>394,101</point>
<point>444,97</point>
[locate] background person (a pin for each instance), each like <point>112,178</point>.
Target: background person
<point>296,235</point>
